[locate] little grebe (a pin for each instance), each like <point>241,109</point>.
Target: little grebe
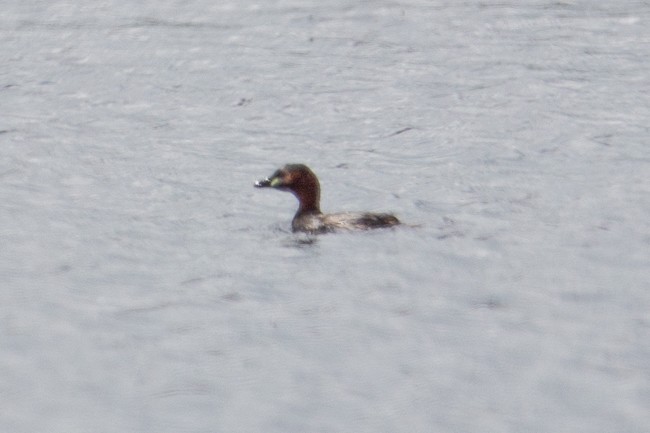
<point>303,183</point>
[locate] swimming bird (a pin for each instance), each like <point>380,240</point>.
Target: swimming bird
<point>303,183</point>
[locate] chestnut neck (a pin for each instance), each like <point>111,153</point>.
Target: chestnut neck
<point>307,191</point>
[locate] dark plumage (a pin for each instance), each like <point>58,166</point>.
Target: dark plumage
<point>303,183</point>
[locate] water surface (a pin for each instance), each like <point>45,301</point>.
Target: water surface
<point>146,286</point>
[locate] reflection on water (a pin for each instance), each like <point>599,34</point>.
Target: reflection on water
<point>301,241</point>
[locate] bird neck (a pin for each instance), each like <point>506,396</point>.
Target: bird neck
<point>308,194</point>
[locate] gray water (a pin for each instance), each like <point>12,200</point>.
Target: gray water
<point>146,286</point>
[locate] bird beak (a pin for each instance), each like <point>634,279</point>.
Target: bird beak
<point>274,181</point>
<point>263,183</point>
